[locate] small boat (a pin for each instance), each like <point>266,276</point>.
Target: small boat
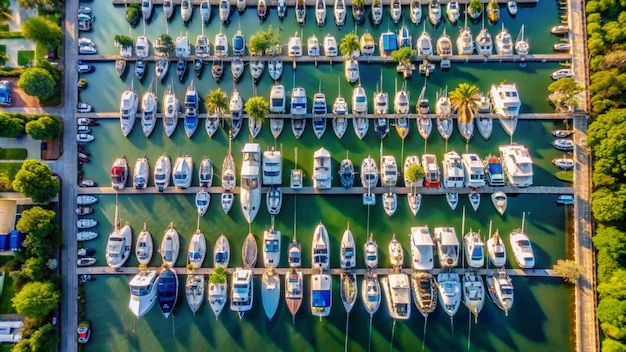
<point>128,109</point>
<point>500,290</point>
<point>562,47</point>
<point>346,173</point>
<point>504,42</point>
<point>144,246</point>
<point>86,223</point>
<point>398,295</point>
<point>367,44</point>
<point>377,12</point>
<point>221,44</point>
<point>170,246</point>
<point>217,291</point>
<point>294,46</point>
<point>83,210</point>
<point>562,133</point>
<point>87,183</point>
<point>192,102</point>
<point>493,11</point>
<point>340,120</point>
<point>194,291</point>
<point>465,40</point>
<point>496,250</point>
<point>351,70</point>
<point>120,67</point>
<point>86,235</point>
<point>395,10</point>
<point>358,12</point>
<point>484,122</point>
<point>181,68</point>
<point>198,65</point>
<point>262,11</point>
<point>162,170</point>
<point>205,12</point>
<point>119,243</point>
<point>473,293</point>
<point>322,169</point>
<point>249,251</point>
<point>149,103</point>
<point>319,114</point>
<point>143,292</point>
<point>424,43</point>
<point>239,43</point>
<point>424,289</point>
<point>293,291</point>
<point>298,109</point>
<point>86,261</point>
<point>474,198</point>
<point>224,11</point>
<point>270,292</point>
<point>562,73</point>
<point>300,12</point>
<point>369,173</point>
<point>235,106</point>
<point>415,11</point>
<point>182,171</point>
<point>359,108</point>
<point>522,47</point>
<point>294,254</point>
<point>434,12</point>
<point>313,46</point>
<point>205,172</point>
<point>396,254</point>
<point>453,173</point>
<point>242,293</point>
<point>370,253</point>
<point>484,44</point>
<point>453,199</point>
<point>83,331</point>
<point>320,12</point>
<point>389,171</point>
<point>197,250</point>
<point>161,68</point>
<point>142,46</point>
<point>339,12</point>
<point>449,285</point>
<point>237,68</point>
<point>499,201</point>
<point>330,45</point>
<point>444,44</point>
<point>511,5</point>
<point>415,201</point>
<point>447,246</point>
<point>320,248</point>
<point>381,126</point>
<point>254,126</point>
<point>203,45</point>
<point>221,252</point>
<point>85,199</point>
<point>241,5</point>
<point>257,67</point>
<point>564,163</point>
<point>167,293</point>
<point>229,174</point>
<point>422,248</point>
<point>281,8</point>
<point>275,68</point>
<point>83,107</point>
<point>347,252</point>
<point>348,289</point>
<point>474,249</point>
<point>522,247</point>
<point>371,293</point>
<point>565,199</point>
<point>432,173</point>
<point>85,10</point>
<point>321,295</point>
<point>227,199</point>
<point>271,248</point>
<point>119,173</point>
<point>274,200</point>
<point>453,11</point>
<point>170,110</point>
<point>560,29</point>
<point>563,144</point>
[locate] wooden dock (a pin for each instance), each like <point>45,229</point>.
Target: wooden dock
<point>329,3</point>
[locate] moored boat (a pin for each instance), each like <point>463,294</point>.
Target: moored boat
<point>194,291</point>
<point>321,294</point>
<point>143,292</point>
<point>496,250</point>
<point>217,291</point>
<point>170,110</point>
<point>128,109</point>
<point>271,248</point>
<point>449,286</point>
<point>424,289</point>
<point>320,248</point>
<point>500,289</point>
<point>249,251</point>
<point>522,247</point>
<point>371,294</point>
<point>242,293</point>
<point>396,254</point>
<point>397,295</point>
<point>144,247</point>
<point>499,201</point>
<point>162,170</point>
<point>197,250</point>
<point>221,252</point>
<point>293,291</point>
<point>119,173</point>
<point>251,181</point>
<point>167,293</point>
<point>473,292</point>
<point>170,246</point>
<point>348,289</point>
<point>149,103</point>
<point>347,252</point>
<point>182,172</point>
<point>270,292</point>
<point>119,243</point>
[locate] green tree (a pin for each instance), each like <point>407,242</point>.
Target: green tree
<point>403,55</point>
<point>44,339</point>
<point>349,45</point>
<point>133,14</point>
<point>475,6</point>
<point>610,345</point>
<point>615,287</point>
<point>563,94</point>
<point>219,276</point>
<point>37,222</point>
<point>606,266</point>
<point>5,183</point>
<point>34,180</point>
<point>4,58</point>
<point>567,269</point>
<point>32,4</point>
<point>607,206</point>
<point>465,99</point>
<point>37,82</point>
<point>42,31</point>
<point>36,269</point>
<point>257,107</point>
<point>164,45</point>
<point>22,346</point>
<point>11,126</point>
<point>610,241</point>
<point>414,173</point>
<point>611,313</point>
<point>263,41</point>
<point>607,90</point>
<point>36,300</point>
<point>46,127</point>
<point>216,102</point>
<point>605,136</point>
<point>123,40</point>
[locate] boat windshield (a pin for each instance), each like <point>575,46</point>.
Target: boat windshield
<point>221,257</point>
<point>271,246</point>
<point>249,183</point>
<point>320,298</point>
<point>140,290</point>
<point>477,253</point>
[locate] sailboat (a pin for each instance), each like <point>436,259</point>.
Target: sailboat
<point>270,292</point>
<point>340,112</point>
<point>217,291</point>
<point>396,254</point>
<point>194,291</point>
<point>320,248</point>
<point>119,242</point>
<point>229,180</point>
<point>144,246</point>
<point>522,46</point>
<point>197,248</point>
<point>149,103</point>
<point>348,289</point>
<point>371,293</point>
<point>424,123</point>
<point>443,110</point>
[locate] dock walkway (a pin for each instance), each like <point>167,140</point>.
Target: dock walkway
<point>273,3</point>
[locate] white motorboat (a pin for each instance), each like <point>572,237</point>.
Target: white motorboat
<point>162,65</point>
<point>300,12</point>
<point>434,12</point>
<point>562,73</point>
<point>86,235</point>
<point>396,254</point>
<point>276,126</point>
<point>395,10</point>
<point>277,99</point>
<point>422,248</point>
<point>294,253</point>
<point>168,8</point>
<point>453,11</point>
<point>415,202</point>
<point>236,68</point>
<point>170,110</point>
<point>182,173</point>
<point>144,247</point>
<point>453,174</point>
<point>146,9</point>
<point>370,253</point>
<point>381,103</point>
<point>275,68</point>
<point>167,293</point>
<point>484,122</point>
<point>564,163</point>
<point>270,292</point>
<point>330,45</point>
<point>281,9</point>
<point>320,248</point>
<point>474,170</point>
<point>294,46</point>
<point>162,170</point>
<point>465,40</point>
<point>197,250</point>
<point>86,223</point>
<point>474,198</point>
<point>221,252</point>
<point>205,11</point>
<point>367,44</point>
<point>119,243</point>
<point>444,44</point>
<point>506,102</point>
<point>381,127</point>
<point>83,107</point>
<point>227,199</point>
<point>397,295</point>
<point>272,167</point>
<point>371,294</point>
<point>224,11</point>
<point>170,246</point>
<point>453,199</point>
<point>352,70</point>
<point>504,42</point>
<point>424,43</point>
<point>348,289</point>
<point>377,12</point>
<point>369,173</point>
<point>347,251</point>
<point>511,6</point>
<point>522,47</point>
<point>182,47</point>
<point>522,247</point>
<point>447,246</point>
<point>389,170</point>
<point>424,289</point>
<point>235,106</point>
<point>320,12</point>
<point>262,10</point>
<point>443,110</point>
<point>220,44</point>
<point>217,291</point>
<point>496,250</point>
<point>192,105</point>
<point>562,47</point>
<point>432,173</point>
<point>518,165</point>
<point>484,44</point>
<point>257,67</point>
<point>500,289</point>
<point>140,173</point>
<point>415,11</point>
<point>241,5</point>
<point>142,45</point>
<point>322,174</point>
<point>194,291</point>
<point>128,109</point>
<point>560,29</point>
<point>205,172</point>
<point>321,295</point>
<point>149,104</point>
<point>473,293</point>
<point>340,120</point>
<point>346,173</point>
<point>449,285</point>
<point>404,37</point>
<point>271,248</point>
<point>339,12</point>
<point>242,293</point>
<point>186,10</point>
<point>319,114</point>
<point>229,177</point>
<point>251,181</point>
<point>313,46</point>
<point>474,249</point>
<point>359,108</point>
<point>119,173</point>
<point>494,170</point>
<point>143,292</point>
<point>499,201</point>
<point>294,287</point>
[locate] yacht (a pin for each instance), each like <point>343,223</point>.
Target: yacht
<point>504,42</point>
<point>182,47</point>
<point>298,110</point>
<point>415,10</point>
<point>239,43</point>
<point>340,120</point>
<point>142,45</point>
<point>203,199</point>
<point>274,200</point>
<point>251,181</point>
<point>167,292</point>
<point>432,174</point>
<point>381,127</point>
<point>144,246</point>
<point>352,70</point>
<point>271,248</point>
<point>453,11</point>
<point>249,251</point>
<point>522,247</point>
<point>390,203</point>
<point>474,170</point>
<point>241,5</point>
<point>197,250</point>
<point>500,289</point>
<point>369,173</point>
<point>281,8</point>
<point>496,250</point>
<point>465,41</point>
<point>398,295</point>
<point>170,110</point>
<point>217,292</point>
<point>434,12</point>
<point>493,170</point>
<point>205,12</point>
<point>168,8</point>
<point>300,12</point>
<point>320,12</point>
<point>149,104</point>
<point>453,173</point>
<point>294,46</point>
<point>229,176</point>
<point>348,289</point>
<point>319,114</point>
<point>474,249</point>
<point>146,9</point>
<point>242,294</point>
<point>186,10</point>
<point>377,12</point>
<point>272,167</point>
<point>518,165</point>
<point>143,292</point>
<point>321,169</point>
<point>205,172</point>
<point>275,68</point>
<point>564,163</point>
<point>162,170</point>
<point>330,45</point>
<point>381,103</point>
<point>389,171</point>
<point>447,246</point>
<point>449,286</point>
<point>236,68</point>
<point>444,44</point>
<point>370,293</point>
<point>404,37</point>
<point>276,126</point>
<point>221,44</point>
<point>348,253</point>
<point>346,173</point>
<point>395,10</point>
<point>294,253</point>
<point>473,292</point>
<point>506,103</point>
<point>224,11</point>
<point>484,44</point>
<point>313,46</point>
<point>499,200</point>
<point>320,248</point>
<point>370,253</point>
<point>424,123</point>
<point>321,294</point>
<point>294,287</point>
<point>161,68</point>
<point>128,110</point>
<point>522,47</point>
<point>119,243</point>
<point>367,44</point>
<point>424,43</point>
<point>396,253</point>
<point>484,122</point>
<point>194,291</point>
<point>182,173</point>
<point>235,106</point>
<point>359,107</point>
<point>119,173</point>
<point>192,102</point>
<point>422,248</point>
<point>221,252</point>
<point>170,246</point>
<point>270,292</point>
<point>257,67</point>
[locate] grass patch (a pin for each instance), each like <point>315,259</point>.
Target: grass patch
<point>9,291</point>
<point>565,176</point>
<point>13,154</point>
<point>10,169</point>
<point>11,35</point>
<point>4,27</point>
<point>25,57</point>
<point>3,51</point>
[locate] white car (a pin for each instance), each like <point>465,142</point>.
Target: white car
<point>87,50</point>
<point>563,73</point>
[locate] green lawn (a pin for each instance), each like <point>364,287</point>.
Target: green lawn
<point>10,169</point>
<point>25,57</point>
<point>13,154</point>
<point>6,307</point>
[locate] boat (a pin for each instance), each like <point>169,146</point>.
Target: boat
<point>415,201</point>
<point>86,223</point>
<point>339,12</point>
<point>254,126</point>
<point>319,114</point>
<point>396,254</point>
<point>449,286</point>
<point>473,292</point>
<point>330,45</point>
<point>257,67</point>
<point>242,294</point>
<point>347,252</point>
<point>415,11</point>
<point>167,292</point>
<point>453,174</point>
<point>262,11</point>
<point>83,108</point>
<point>275,68</point>
<point>237,68</point>
<point>562,73</point>
<point>422,248</point>
<point>346,173</point>
<point>443,110</point>
<point>504,42</point>
<point>474,198</point>
<point>493,170</point>
<point>227,199</point>
<point>85,199</point>
<point>235,107</point>
<point>205,12</point>
<point>197,250</point>
<point>377,12</point>
<point>395,10</point>
<point>565,199</point>
<point>300,12</point>
<point>186,10</point>
<point>191,110</point>
<point>281,8</point>
<point>424,123</point>
<point>474,170</point>
<point>381,126</point>
<point>298,109</point>
<point>506,102</point>
<point>320,12</point>
<point>249,251</point>
<point>149,104</point>
<point>83,129</point>
<point>493,11</point>
<point>424,43</point>
<point>511,6</point>
<point>128,109</point>
<point>86,236</point>
<point>320,248</point>
<point>522,47</point>
<point>221,44</point>
<point>205,172</point>
<point>496,250</point>
<point>340,120</point>
<point>170,246</point>
<point>522,247</point>
<point>518,164</point>
<point>562,133</point>
<point>369,173</point>
<point>359,108</point>
<point>389,171</point>
<point>465,40</point>
<point>143,292</point>
<point>562,47</point>
<point>194,291</point>
<point>367,44</point>
<point>484,44</point>
<point>120,67</point>
<point>224,11</point>
<point>321,294</point>
<point>162,170</point>
<point>251,181</point>
<point>119,173</point>
<point>119,243</point>
<point>182,47</point>
<point>397,295</point>
<point>83,210</point>
<point>434,12</point>
<point>474,249</point>
<point>293,291</point>
<point>313,46</point>
<point>241,5</point>
<point>270,292</point>
<point>484,122</point>
<point>371,293</point>
<point>351,70</point>
<point>274,200</point>
<point>217,291</point>
<point>348,289</point>
<point>144,247</point>
<point>161,68</point>
<point>146,10</point>
<point>432,174</point>
<point>404,37</point>
<point>370,253</point>
<point>447,246</point>
<point>499,201</point>
<point>453,199</point>
<point>170,110</point>
<point>564,163</point>
<point>182,171</point>
<point>271,248</point>
<point>221,252</point>
<point>294,254</point>
<point>322,169</point>
<point>168,8</point>
<point>424,289</point>
<point>452,11</point>
<point>203,46</point>
<point>500,289</point>
<point>560,29</point>
<point>444,43</point>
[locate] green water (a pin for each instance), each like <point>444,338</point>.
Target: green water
<point>541,315</point>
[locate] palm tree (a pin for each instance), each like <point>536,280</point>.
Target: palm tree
<point>465,99</point>
<point>349,44</point>
<point>216,102</point>
<point>257,107</point>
